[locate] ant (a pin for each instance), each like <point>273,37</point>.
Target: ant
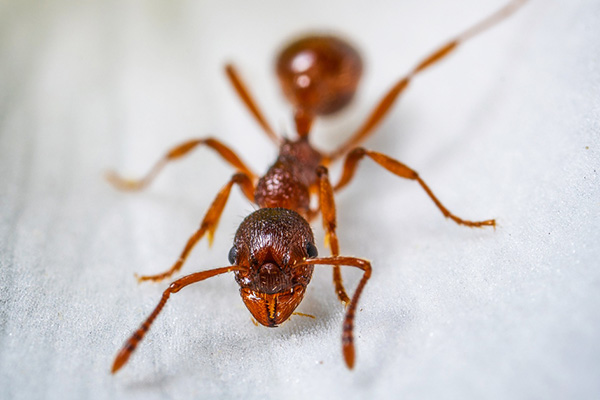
<point>274,252</point>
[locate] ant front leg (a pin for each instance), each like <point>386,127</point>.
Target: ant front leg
<point>138,335</point>
<point>327,205</point>
<point>209,223</point>
<point>403,171</point>
<point>174,154</point>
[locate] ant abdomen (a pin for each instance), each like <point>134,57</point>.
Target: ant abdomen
<point>319,73</point>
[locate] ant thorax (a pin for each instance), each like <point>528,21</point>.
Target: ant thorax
<point>288,181</point>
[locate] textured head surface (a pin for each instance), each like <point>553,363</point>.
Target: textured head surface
<point>270,242</point>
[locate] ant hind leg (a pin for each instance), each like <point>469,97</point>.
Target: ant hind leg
<point>382,108</point>
<point>242,91</point>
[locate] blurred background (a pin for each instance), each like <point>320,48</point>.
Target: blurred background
<point>506,128</point>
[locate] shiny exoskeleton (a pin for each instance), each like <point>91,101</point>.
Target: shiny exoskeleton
<point>274,251</point>
<point>271,243</point>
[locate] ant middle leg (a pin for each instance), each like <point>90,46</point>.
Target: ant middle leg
<point>403,171</point>
<point>175,153</point>
<point>328,215</point>
<point>209,223</point>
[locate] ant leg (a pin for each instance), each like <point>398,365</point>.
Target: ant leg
<point>130,345</point>
<point>402,171</point>
<point>242,91</point>
<point>327,205</point>
<point>173,154</point>
<point>384,105</point>
<point>348,327</point>
<point>209,223</point>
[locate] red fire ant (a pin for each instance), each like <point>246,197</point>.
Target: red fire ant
<point>274,251</point>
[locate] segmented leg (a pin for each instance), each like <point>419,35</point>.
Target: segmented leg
<point>348,327</point>
<point>174,154</point>
<point>175,287</point>
<point>384,105</point>
<point>403,171</point>
<point>327,205</point>
<point>242,91</point>
<point>209,223</point>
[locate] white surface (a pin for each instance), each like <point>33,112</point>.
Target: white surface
<point>507,127</point>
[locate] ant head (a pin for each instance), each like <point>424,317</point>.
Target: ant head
<point>319,74</point>
<point>272,243</point>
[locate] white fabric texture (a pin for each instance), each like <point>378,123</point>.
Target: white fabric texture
<point>506,128</point>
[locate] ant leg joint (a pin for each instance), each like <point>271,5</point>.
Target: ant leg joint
<point>322,171</point>
<point>358,152</point>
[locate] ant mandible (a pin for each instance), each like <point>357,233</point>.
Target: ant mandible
<point>274,251</point>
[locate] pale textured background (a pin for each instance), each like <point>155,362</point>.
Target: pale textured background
<point>508,127</point>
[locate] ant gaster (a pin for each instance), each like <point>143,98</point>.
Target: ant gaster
<point>274,251</point>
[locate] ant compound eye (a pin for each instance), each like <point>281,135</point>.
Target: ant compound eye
<point>232,255</point>
<point>311,249</point>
